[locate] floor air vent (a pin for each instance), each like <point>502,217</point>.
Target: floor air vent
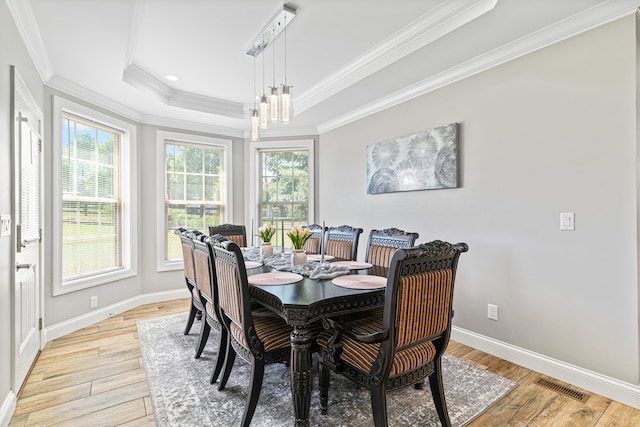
<point>564,390</point>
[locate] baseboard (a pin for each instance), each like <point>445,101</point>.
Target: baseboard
<point>623,392</point>
<point>7,409</point>
<point>60,329</point>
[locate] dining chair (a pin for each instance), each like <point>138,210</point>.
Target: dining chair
<point>208,292</point>
<point>313,245</point>
<point>383,243</point>
<point>342,242</point>
<point>233,232</point>
<point>196,309</point>
<point>404,344</point>
<point>255,335</point>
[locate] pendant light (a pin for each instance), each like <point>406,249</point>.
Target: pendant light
<point>286,110</point>
<point>255,119</point>
<point>273,99</point>
<point>264,104</point>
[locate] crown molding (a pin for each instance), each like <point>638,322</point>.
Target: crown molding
<point>88,95</point>
<point>185,125</point>
<point>284,131</point>
<point>596,16</point>
<point>142,80</point>
<point>26,23</point>
<point>429,27</point>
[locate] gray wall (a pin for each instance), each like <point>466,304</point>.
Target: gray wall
<point>550,132</point>
<point>12,52</point>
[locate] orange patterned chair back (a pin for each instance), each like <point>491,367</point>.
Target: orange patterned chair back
<point>382,245</point>
<point>342,242</point>
<point>236,233</point>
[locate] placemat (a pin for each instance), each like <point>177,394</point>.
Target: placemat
<point>360,281</point>
<point>274,278</point>
<point>252,264</point>
<point>354,265</point>
<point>316,257</point>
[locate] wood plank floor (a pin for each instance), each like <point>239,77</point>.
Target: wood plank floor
<point>94,377</point>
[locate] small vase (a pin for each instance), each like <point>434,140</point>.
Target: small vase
<point>298,257</point>
<point>266,249</point>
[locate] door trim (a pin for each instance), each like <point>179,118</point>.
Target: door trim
<point>20,93</point>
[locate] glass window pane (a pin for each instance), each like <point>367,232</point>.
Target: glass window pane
<point>193,175</point>
<point>194,187</point>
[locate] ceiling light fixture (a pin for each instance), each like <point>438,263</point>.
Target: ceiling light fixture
<point>285,97</point>
<point>255,119</point>
<point>172,77</point>
<point>278,106</point>
<point>264,104</point>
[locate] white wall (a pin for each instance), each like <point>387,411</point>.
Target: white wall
<point>550,132</point>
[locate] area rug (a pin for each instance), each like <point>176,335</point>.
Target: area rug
<point>182,396</point>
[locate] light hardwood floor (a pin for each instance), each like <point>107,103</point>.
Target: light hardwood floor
<point>94,377</point>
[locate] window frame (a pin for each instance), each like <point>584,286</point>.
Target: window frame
<point>226,188</point>
<point>129,199</point>
<point>254,178</point>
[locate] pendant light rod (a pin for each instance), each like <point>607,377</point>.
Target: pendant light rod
<point>277,23</point>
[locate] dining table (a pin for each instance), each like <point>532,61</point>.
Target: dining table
<point>306,301</point>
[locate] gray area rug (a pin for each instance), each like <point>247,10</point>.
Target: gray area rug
<point>182,396</point>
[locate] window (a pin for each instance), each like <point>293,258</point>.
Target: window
<point>94,213</point>
<point>194,191</point>
<point>283,185</point>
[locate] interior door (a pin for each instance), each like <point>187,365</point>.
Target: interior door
<point>27,310</point>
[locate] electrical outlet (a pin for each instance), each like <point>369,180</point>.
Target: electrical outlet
<point>5,225</point>
<point>94,302</point>
<point>492,311</point>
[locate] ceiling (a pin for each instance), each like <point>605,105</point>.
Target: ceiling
<point>345,58</point>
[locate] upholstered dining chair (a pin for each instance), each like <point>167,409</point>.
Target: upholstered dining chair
<point>383,243</point>
<point>233,232</point>
<point>259,338</point>
<point>208,292</point>
<point>196,308</point>
<point>342,242</point>
<point>406,342</point>
<point>313,245</point>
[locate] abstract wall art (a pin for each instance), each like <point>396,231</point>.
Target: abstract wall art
<point>424,160</point>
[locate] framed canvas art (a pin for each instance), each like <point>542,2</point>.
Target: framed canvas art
<point>425,160</point>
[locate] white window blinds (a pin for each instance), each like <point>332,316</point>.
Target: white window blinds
<point>91,198</point>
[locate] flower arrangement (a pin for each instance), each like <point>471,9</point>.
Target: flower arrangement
<point>299,236</point>
<point>266,232</point>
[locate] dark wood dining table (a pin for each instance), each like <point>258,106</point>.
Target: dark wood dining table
<point>303,303</point>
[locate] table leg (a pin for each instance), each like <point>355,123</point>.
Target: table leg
<point>301,374</point>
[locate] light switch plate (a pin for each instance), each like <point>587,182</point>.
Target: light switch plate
<point>567,221</point>
<point>5,225</point>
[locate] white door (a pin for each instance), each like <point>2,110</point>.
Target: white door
<point>27,149</point>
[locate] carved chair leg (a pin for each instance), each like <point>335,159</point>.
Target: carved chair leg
<point>222,354</point>
<point>228,364</point>
<point>192,315</point>
<point>205,328</point>
<point>324,379</point>
<point>437,391</point>
<point>379,404</point>
<point>257,375</point>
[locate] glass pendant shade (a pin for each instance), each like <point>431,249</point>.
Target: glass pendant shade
<point>255,123</point>
<point>286,104</point>
<point>273,105</point>
<point>264,112</point>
